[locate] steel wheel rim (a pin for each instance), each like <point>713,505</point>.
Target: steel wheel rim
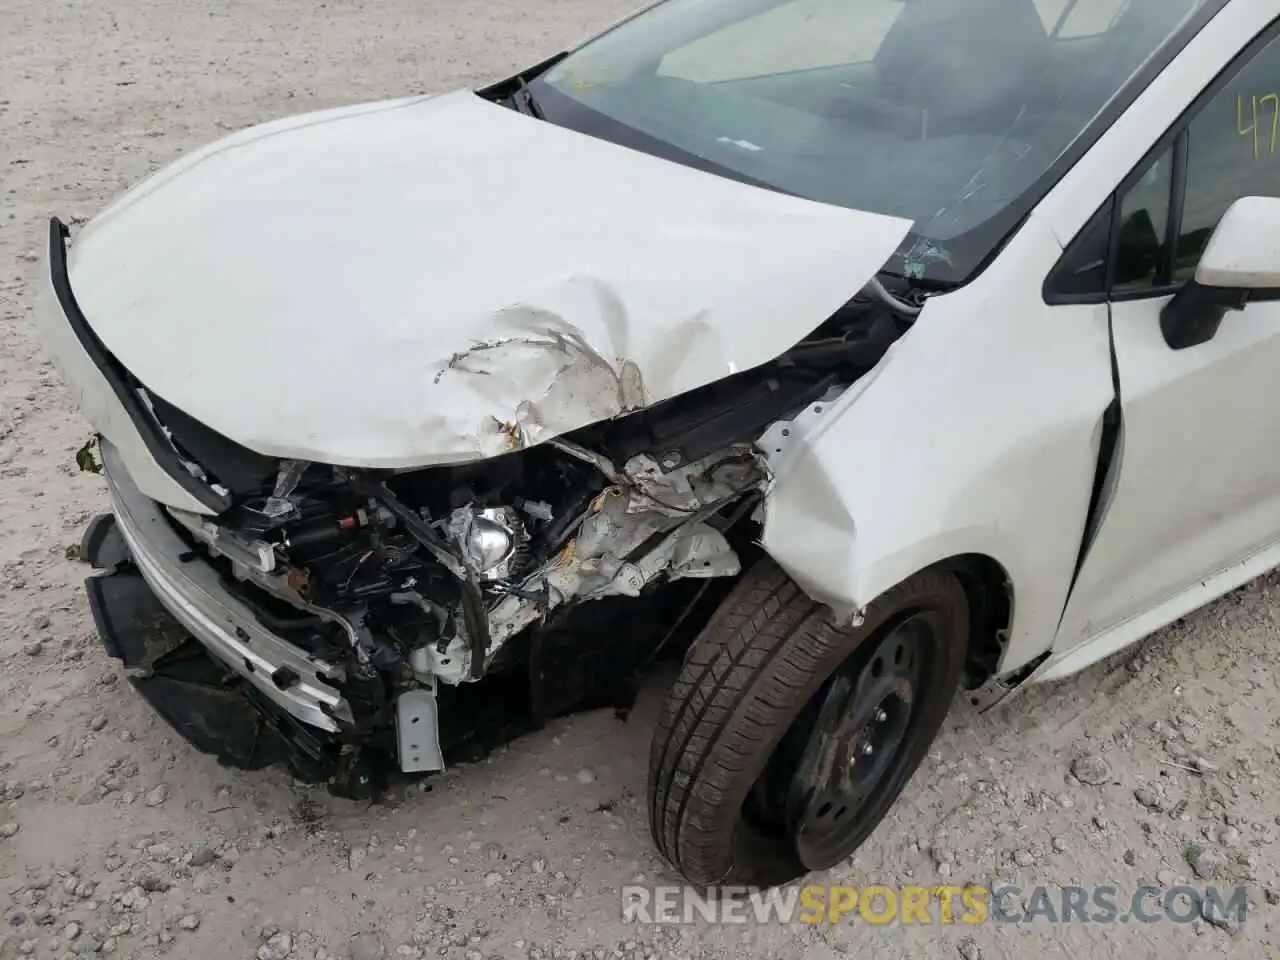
<point>858,750</point>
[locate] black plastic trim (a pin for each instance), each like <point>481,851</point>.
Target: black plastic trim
<point>1150,293</point>
<point>1054,299</point>
<point>1109,442</point>
<point>1177,202</point>
<point>101,545</point>
<point>1050,291</point>
<point>1116,206</point>
<point>502,89</point>
<point>1106,471</point>
<point>101,618</point>
<point>121,382</point>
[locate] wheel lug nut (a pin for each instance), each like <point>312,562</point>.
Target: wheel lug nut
<point>867,750</point>
<point>881,716</point>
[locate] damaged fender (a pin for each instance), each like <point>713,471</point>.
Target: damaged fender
<point>855,509</point>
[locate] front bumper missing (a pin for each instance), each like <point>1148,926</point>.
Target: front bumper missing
<point>193,592</point>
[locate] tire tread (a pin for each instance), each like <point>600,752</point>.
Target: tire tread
<point>744,679</point>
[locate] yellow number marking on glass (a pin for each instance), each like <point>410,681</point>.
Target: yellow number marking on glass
<point>1253,127</point>
<point>1275,118</point>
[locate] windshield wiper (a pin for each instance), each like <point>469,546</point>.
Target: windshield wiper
<point>524,101</point>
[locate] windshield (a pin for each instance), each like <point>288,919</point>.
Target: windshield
<point>942,112</point>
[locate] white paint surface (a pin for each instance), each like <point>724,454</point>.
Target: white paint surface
<point>98,402</point>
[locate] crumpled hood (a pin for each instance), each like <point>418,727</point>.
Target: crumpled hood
<point>435,280</point>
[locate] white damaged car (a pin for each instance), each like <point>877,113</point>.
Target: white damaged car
<point>863,350</point>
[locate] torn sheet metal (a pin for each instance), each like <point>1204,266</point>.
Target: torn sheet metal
<point>856,509</point>
<point>439,280</point>
<point>662,514</point>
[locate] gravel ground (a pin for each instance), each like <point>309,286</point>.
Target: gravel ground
<point>1158,766</point>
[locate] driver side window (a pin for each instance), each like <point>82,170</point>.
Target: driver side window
<point>1227,148</point>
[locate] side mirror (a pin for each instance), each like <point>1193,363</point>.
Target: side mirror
<point>1240,264</point>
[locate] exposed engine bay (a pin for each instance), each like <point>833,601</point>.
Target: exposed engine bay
<point>413,579</point>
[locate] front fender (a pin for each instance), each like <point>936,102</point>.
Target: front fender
<point>977,434</point>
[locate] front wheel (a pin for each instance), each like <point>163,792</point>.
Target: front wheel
<point>786,738</point>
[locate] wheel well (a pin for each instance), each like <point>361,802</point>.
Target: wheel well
<point>990,594</point>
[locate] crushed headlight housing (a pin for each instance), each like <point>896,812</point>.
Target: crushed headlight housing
<point>492,540</point>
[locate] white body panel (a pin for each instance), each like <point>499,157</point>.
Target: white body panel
<point>1004,427</point>
<point>100,405</point>
<point>962,443</point>
<point>1196,507</point>
<point>1072,658</point>
<point>445,280</point>
<point>1199,481</point>
<point>440,280</point>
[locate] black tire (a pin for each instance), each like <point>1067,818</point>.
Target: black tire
<point>767,653</point>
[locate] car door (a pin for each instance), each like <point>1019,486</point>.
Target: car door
<point>1191,501</point>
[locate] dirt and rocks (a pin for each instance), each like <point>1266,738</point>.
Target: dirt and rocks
<point>1158,767</point>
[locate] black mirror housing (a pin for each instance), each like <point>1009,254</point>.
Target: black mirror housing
<point>1195,313</point>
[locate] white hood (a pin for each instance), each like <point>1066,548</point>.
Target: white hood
<point>441,279</point>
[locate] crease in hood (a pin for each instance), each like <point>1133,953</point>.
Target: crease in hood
<point>437,280</point>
